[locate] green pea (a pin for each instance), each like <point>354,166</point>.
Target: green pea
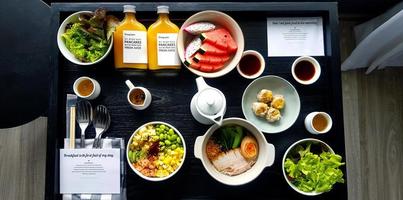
<point>162,143</point>
<point>173,138</point>
<point>162,126</point>
<point>162,136</point>
<point>178,140</point>
<point>171,131</point>
<point>173,147</point>
<point>167,142</point>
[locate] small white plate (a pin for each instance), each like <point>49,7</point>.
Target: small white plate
<point>277,85</point>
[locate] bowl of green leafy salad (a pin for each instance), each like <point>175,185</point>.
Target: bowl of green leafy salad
<point>311,167</point>
<point>86,37</point>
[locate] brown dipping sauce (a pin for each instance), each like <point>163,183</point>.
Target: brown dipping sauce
<point>319,122</point>
<point>249,65</point>
<point>304,70</point>
<point>85,87</point>
<point>137,96</point>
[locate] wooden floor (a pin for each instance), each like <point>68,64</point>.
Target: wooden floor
<point>373,120</point>
<point>22,165</point>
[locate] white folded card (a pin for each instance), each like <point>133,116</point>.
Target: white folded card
<point>90,171</point>
<point>295,36</point>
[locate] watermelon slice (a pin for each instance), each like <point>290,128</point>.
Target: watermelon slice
<point>206,68</point>
<point>191,63</point>
<point>203,67</point>
<point>218,67</point>
<point>211,59</point>
<point>220,38</point>
<point>209,49</point>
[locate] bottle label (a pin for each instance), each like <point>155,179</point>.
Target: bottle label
<point>166,49</point>
<point>135,47</point>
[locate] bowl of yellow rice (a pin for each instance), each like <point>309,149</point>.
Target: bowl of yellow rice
<point>156,151</point>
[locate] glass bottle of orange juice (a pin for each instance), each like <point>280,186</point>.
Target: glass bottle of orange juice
<point>130,42</point>
<point>162,34</point>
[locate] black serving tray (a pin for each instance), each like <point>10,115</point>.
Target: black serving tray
<point>172,95</point>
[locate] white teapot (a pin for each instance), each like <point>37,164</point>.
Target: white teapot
<point>208,105</point>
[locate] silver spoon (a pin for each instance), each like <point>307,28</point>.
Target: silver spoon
<point>84,118</point>
<point>101,123</point>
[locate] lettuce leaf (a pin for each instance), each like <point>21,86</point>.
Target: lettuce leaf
<point>312,172</point>
<point>83,45</point>
<point>111,23</point>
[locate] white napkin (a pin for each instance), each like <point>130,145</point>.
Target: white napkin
<point>107,143</point>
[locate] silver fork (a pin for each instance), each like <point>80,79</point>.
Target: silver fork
<point>101,123</point>
<point>84,118</point>
<point>100,144</point>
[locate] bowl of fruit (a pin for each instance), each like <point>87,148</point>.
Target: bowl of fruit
<point>210,43</point>
<point>156,151</point>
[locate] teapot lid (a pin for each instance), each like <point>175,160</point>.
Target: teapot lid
<point>210,101</point>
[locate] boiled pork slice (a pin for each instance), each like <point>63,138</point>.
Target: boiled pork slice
<point>232,163</point>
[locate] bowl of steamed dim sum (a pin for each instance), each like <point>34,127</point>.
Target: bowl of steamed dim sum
<point>271,103</point>
<point>234,153</point>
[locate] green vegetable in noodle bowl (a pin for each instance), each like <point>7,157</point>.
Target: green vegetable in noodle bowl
<point>156,150</point>
<point>311,171</point>
<point>229,137</point>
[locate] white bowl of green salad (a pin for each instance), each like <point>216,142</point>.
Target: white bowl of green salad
<point>311,167</point>
<point>156,151</point>
<point>85,37</point>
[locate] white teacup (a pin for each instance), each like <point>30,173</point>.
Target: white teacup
<point>316,70</point>
<point>259,57</point>
<point>309,122</point>
<point>92,94</point>
<point>143,95</point>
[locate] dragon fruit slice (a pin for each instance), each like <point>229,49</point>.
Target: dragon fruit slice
<point>199,27</point>
<point>192,47</point>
